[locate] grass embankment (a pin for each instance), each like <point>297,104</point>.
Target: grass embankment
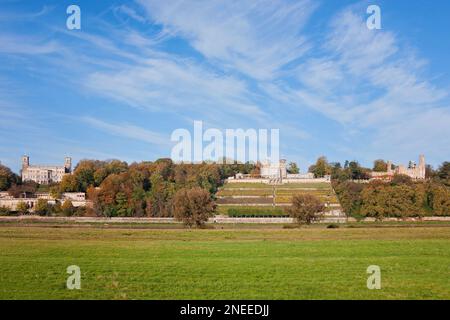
<point>259,195</point>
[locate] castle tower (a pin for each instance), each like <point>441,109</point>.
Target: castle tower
<point>283,169</point>
<point>68,164</point>
<point>25,162</point>
<point>389,166</point>
<point>422,167</point>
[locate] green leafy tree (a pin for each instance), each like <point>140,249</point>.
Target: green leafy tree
<point>356,172</point>
<point>7,178</point>
<point>293,168</point>
<point>321,168</point>
<point>443,172</point>
<point>123,208</point>
<point>380,166</point>
<point>4,211</point>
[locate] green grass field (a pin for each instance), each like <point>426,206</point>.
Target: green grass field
<point>267,262</point>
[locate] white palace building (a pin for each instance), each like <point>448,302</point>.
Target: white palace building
<point>44,174</point>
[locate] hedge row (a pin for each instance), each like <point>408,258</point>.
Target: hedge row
<point>256,212</point>
<point>244,201</point>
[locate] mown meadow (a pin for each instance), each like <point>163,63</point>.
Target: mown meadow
<point>263,262</point>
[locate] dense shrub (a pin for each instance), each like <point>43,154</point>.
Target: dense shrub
<point>67,208</point>
<point>42,208</point>
<point>261,200</point>
<point>4,211</point>
<point>22,208</point>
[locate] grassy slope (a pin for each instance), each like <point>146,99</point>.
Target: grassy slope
<point>284,194</point>
<point>307,263</point>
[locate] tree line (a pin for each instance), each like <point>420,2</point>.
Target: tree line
<point>153,189</point>
<point>401,198</point>
<point>166,189</point>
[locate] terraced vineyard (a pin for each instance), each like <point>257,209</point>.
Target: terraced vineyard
<point>259,199</point>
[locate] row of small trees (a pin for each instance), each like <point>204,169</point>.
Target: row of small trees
<point>44,208</point>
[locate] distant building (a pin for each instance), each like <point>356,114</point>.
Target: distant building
<point>416,172</point>
<point>274,170</point>
<point>307,175</point>
<point>44,174</point>
<point>276,174</point>
<point>78,199</point>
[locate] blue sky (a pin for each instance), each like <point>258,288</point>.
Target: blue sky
<point>137,70</point>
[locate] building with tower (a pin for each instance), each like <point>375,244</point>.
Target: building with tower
<point>416,172</point>
<point>275,170</point>
<point>44,174</point>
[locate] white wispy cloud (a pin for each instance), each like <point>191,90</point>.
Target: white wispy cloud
<point>128,131</point>
<point>256,38</point>
<point>177,86</point>
<point>17,44</point>
<point>130,12</point>
<point>7,16</point>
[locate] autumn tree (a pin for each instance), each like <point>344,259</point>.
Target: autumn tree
<point>306,208</point>
<point>69,183</point>
<point>349,195</point>
<point>193,206</point>
<point>159,196</point>
<point>42,207</point>
<point>438,199</point>
<point>18,190</point>
<point>22,208</point>
<point>382,200</point>
<point>67,208</point>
